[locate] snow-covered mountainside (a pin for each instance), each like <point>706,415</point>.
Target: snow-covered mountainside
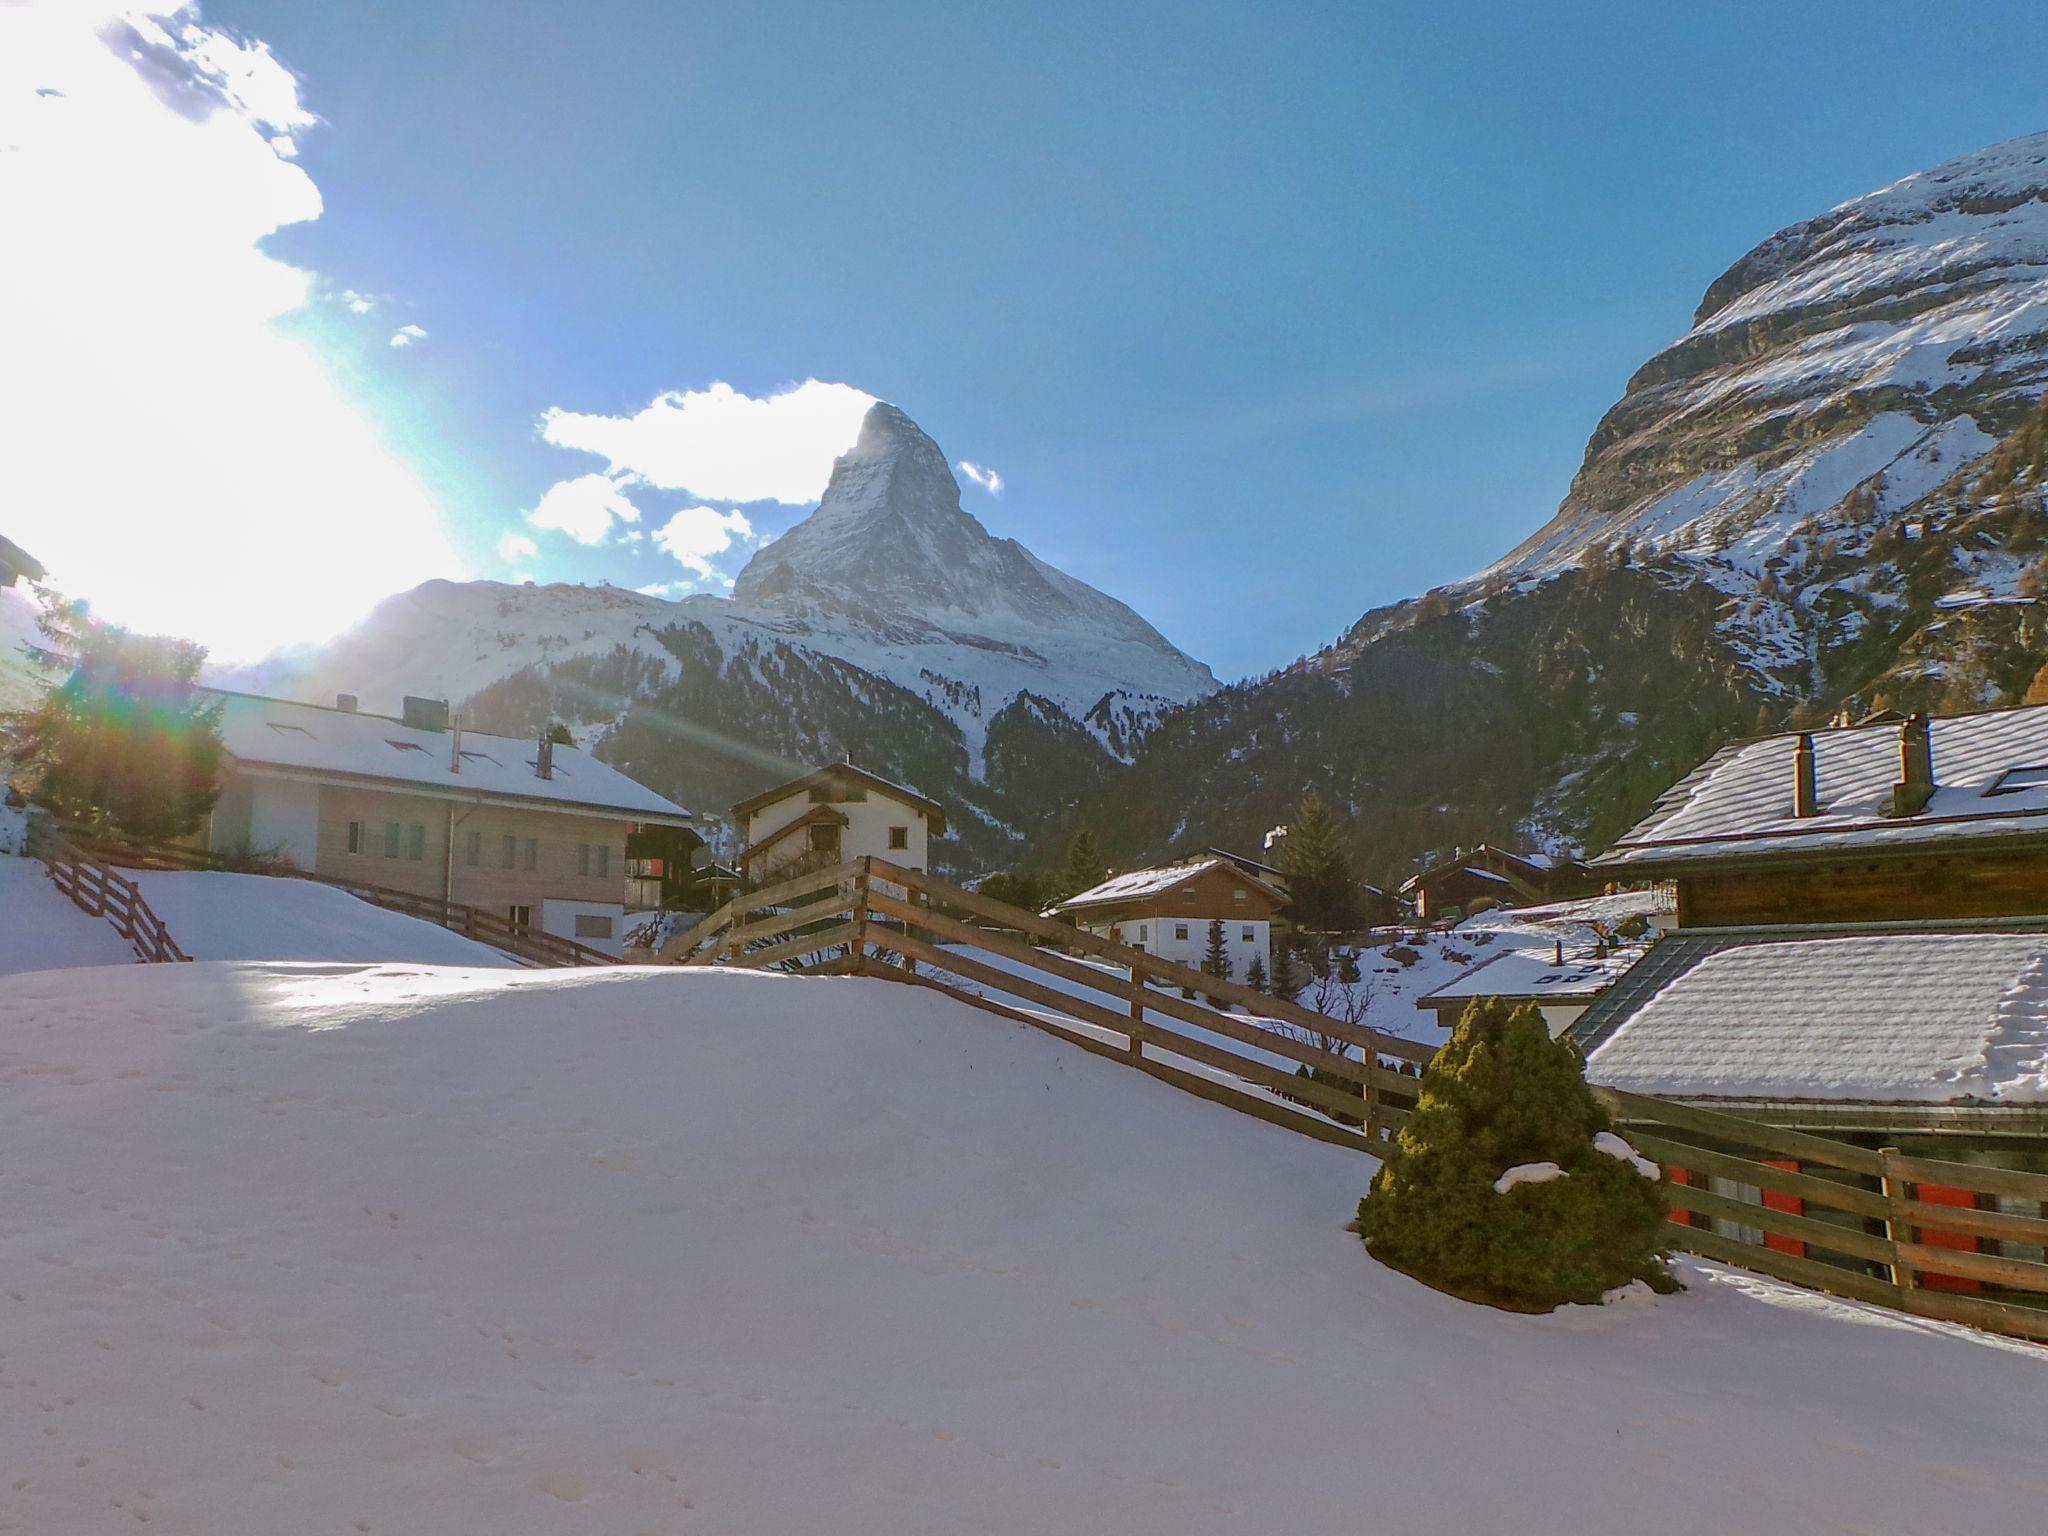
<point>1827,494</point>
<point>19,680</point>
<point>890,623</point>
<point>392,1249</point>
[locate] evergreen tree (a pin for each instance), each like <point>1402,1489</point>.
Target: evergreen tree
<point>560,735</point>
<point>1083,867</point>
<point>1322,893</point>
<point>125,739</point>
<point>1216,956</point>
<point>1502,1094</point>
<point>1347,968</point>
<point>1016,888</point>
<point>1287,979</point>
<point>1255,974</point>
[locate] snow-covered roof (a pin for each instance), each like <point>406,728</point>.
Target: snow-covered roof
<point>1521,973</point>
<point>313,739</point>
<point>841,773</point>
<point>1877,1018</point>
<point>1140,883</point>
<point>1990,773</point>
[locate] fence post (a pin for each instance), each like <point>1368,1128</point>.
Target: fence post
<point>1137,1046</point>
<point>860,916</point>
<point>916,898</point>
<point>1897,1229</point>
<point>1369,1089</point>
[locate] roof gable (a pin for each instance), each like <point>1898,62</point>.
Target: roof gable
<point>840,773</point>
<point>1146,884</point>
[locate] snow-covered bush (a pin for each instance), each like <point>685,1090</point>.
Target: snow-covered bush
<point>1508,1184</point>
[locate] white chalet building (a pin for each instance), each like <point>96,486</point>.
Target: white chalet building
<point>1167,911</point>
<point>831,814</point>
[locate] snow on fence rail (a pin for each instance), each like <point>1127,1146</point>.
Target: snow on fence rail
<point>1921,1235</point>
<point>533,945</point>
<point>100,892</point>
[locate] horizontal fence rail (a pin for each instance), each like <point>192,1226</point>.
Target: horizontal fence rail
<point>99,891</point>
<point>1948,1240</point>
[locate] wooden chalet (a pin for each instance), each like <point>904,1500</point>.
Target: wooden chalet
<point>1922,821</point>
<point>830,814</point>
<point>1477,880</point>
<point>1166,911</point>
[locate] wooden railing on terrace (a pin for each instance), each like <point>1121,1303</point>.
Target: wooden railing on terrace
<point>1904,1232</point>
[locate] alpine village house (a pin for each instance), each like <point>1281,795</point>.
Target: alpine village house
<point>829,815</point>
<point>531,831</point>
<point>1167,911</point>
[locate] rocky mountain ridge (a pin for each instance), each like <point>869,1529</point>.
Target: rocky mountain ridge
<point>1826,494</point>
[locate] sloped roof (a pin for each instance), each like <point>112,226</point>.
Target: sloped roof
<point>1738,804</point>
<point>311,738</point>
<point>1140,883</point>
<point>836,773</point>
<point>1520,974</point>
<point>1872,1018</point>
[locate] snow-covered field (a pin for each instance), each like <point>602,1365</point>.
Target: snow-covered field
<point>307,1248</point>
<point>219,916</point>
<point>42,929</point>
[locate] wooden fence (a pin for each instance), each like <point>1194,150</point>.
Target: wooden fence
<point>1325,1077</point>
<point>1927,1236</point>
<point>100,892</point>
<point>1916,1234</point>
<point>532,945</point>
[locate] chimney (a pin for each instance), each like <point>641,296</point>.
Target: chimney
<point>1805,779</point>
<point>544,758</point>
<point>1559,958</point>
<point>424,714</point>
<point>455,745</point>
<point>1916,767</point>
<point>345,702</point>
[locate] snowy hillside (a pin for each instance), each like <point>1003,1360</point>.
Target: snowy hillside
<point>1883,344</point>
<point>215,915</point>
<point>386,1249</point>
<point>18,679</point>
<point>888,574</point>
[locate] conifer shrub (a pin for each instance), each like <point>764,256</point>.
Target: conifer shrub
<point>1503,1095</point>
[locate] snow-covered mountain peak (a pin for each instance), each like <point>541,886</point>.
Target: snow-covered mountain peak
<point>1848,365</point>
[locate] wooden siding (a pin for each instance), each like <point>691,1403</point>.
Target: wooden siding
<point>1207,895</point>
<point>486,884</point>
<point>1851,889</point>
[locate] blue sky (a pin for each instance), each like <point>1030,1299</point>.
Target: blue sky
<point>1265,313</point>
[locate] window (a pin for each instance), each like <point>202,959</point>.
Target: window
<point>821,794</point>
<point>854,792</point>
<point>824,837</point>
<point>899,837</point>
<point>529,853</point>
<point>473,849</point>
<point>288,730</point>
<point>393,833</point>
<point>2013,780</point>
<point>416,841</point>
<point>1142,934</point>
<point>604,861</point>
<point>404,746</point>
<point>1180,930</point>
<point>481,757</point>
<point>510,854</point>
<point>589,925</point>
<point>1237,895</point>
<point>520,917</point>
<point>583,858</point>
<point>1245,934</point>
<point>355,837</point>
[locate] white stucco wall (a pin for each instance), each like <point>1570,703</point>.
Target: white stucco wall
<point>558,917</point>
<point>1160,936</point>
<point>259,814</point>
<point>866,834</point>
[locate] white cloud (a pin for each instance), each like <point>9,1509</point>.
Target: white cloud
<point>663,589</point>
<point>406,335</point>
<point>514,547</point>
<point>987,479</point>
<point>584,508</point>
<point>695,534</point>
<point>721,445</point>
<point>170,454</point>
<point>358,303</point>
